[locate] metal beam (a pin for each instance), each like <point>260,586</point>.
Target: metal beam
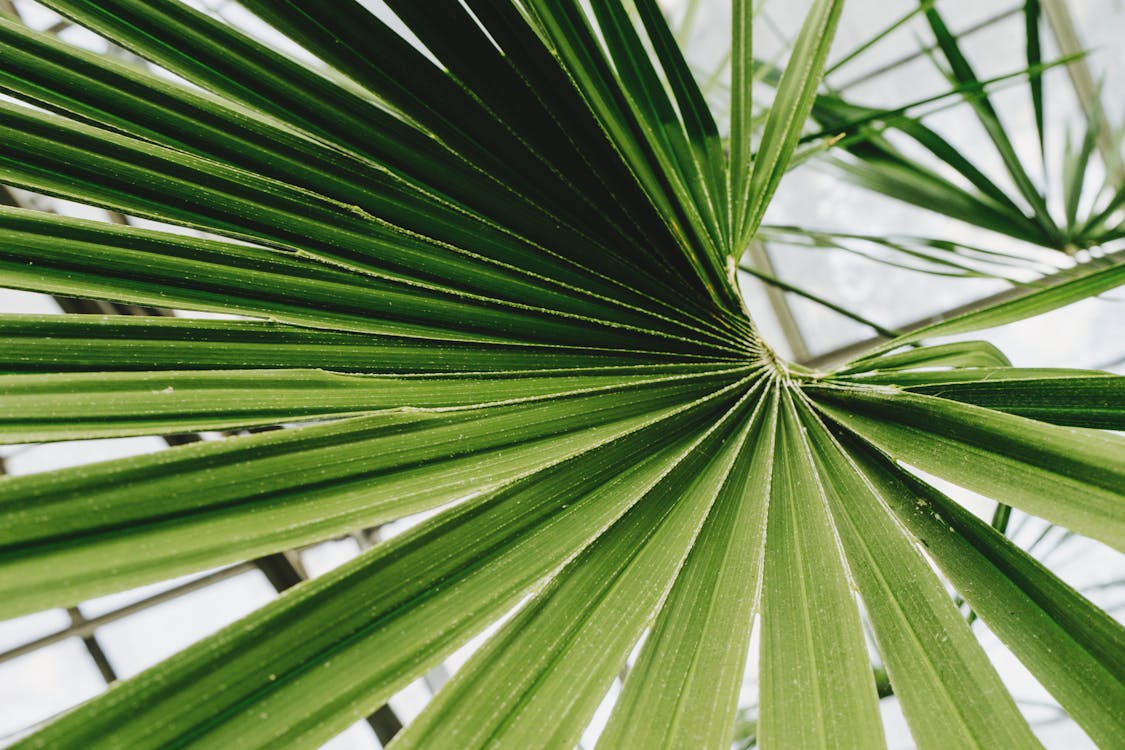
<point>93,647</point>
<point>86,627</point>
<point>89,641</point>
<point>898,62</point>
<point>1082,80</point>
<point>758,257</point>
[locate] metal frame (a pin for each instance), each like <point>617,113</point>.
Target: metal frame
<point>1082,80</point>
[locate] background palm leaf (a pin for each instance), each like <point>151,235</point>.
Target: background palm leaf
<point>949,181</point>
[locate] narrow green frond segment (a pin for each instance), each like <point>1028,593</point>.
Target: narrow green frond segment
<point>816,684</point>
<point>741,118</point>
<point>1067,397</point>
<point>1068,475</point>
<point>699,123</point>
<point>538,681</point>
<point>949,691</point>
<point>96,343</point>
<point>1075,649</point>
<point>895,176</point>
<point>113,525</point>
<point>1076,165</point>
<point>56,255</point>
<point>79,406</point>
<point>990,195</point>
<point>924,254</point>
<point>1032,12</point>
<point>1076,285</point>
<point>684,689</point>
<point>360,633</point>
<point>956,354</point>
<point>790,109</point>
<point>677,157</point>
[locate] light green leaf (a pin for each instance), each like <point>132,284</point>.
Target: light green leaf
<point>1078,284</point>
<point>816,685</point>
<point>792,104</point>
<point>272,491</point>
<point>741,117</point>
<point>1068,475</point>
<point>683,690</point>
<point>53,343</point>
<point>1070,397</point>
<point>489,252</point>
<point>77,406</point>
<point>949,691</point>
<point>355,636</point>
<point>959,354</point>
<point>1075,649</point>
<point>543,674</point>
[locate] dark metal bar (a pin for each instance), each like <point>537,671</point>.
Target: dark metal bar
<point>89,626</point>
<point>283,569</point>
<point>90,641</point>
<point>93,648</point>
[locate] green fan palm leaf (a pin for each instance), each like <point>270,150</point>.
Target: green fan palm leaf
<point>488,273</point>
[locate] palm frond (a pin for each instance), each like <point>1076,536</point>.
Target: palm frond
<point>490,270</point>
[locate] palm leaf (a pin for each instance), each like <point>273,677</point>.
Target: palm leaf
<point>876,164</point>
<point>493,267</point>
